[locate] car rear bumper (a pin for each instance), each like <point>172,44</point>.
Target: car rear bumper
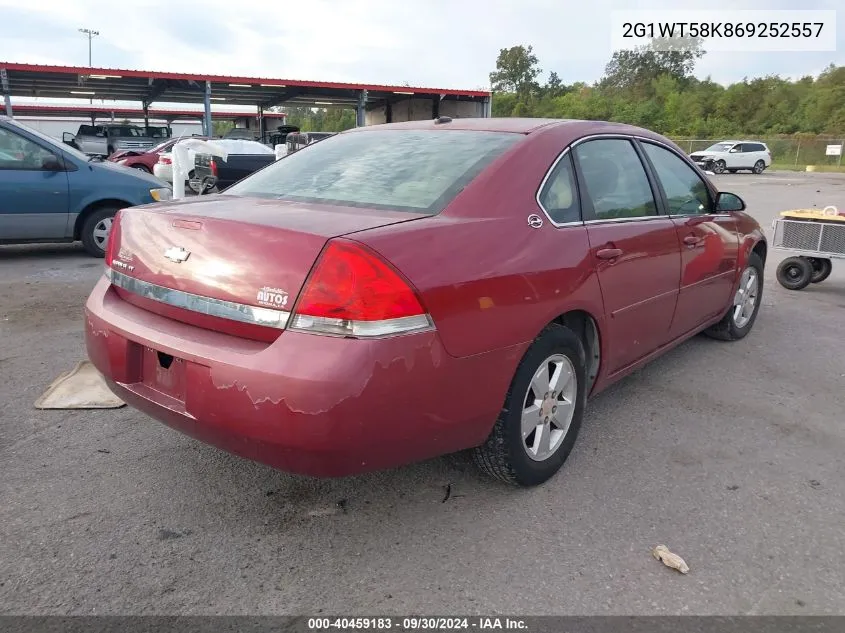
<point>163,172</point>
<point>310,404</point>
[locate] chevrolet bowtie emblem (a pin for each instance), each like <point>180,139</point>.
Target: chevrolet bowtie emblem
<point>177,255</point>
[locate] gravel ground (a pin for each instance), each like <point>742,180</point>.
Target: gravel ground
<point>730,454</point>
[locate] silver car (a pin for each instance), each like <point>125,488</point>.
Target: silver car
<point>105,140</point>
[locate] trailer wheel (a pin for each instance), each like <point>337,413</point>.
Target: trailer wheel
<point>795,273</point>
<point>821,269</point>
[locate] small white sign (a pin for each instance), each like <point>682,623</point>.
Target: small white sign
<point>833,150</point>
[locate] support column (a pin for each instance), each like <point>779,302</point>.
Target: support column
<point>4,78</point>
<point>361,110</point>
<point>146,109</point>
<point>206,121</point>
<point>261,124</point>
<point>435,105</point>
<point>388,111</point>
<point>488,107</point>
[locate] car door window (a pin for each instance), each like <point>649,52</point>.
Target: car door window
<point>686,192</point>
<point>559,195</point>
<point>19,153</point>
<point>616,183</point>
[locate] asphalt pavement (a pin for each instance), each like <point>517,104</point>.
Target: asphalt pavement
<point>731,454</point>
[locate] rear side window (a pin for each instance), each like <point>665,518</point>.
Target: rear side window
<point>754,147</point>
<point>617,185</point>
<point>559,196</point>
<point>406,170</point>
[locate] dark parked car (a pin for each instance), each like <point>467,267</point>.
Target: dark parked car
<point>295,141</point>
<point>50,192</point>
<point>403,291</point>
<point>246,158</point>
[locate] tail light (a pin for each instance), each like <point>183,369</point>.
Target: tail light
<point>164,160</point>
<point>113,239</point>
<point>353,292</point>
<point>213,165</point>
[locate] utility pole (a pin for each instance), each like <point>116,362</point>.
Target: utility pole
<point>91,35</point>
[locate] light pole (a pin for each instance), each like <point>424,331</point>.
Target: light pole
<point>91,35</point>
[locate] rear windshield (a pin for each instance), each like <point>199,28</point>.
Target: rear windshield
<point>419,171</point>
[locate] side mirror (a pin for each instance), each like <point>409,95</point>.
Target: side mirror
<point>734,150</point>
<point>728,202</point>
<point>51,163</point>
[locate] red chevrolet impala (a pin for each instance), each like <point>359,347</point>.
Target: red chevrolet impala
<point>403,291</point>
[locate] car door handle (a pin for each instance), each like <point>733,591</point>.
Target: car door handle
<point>608,253</point>
<point>692,240</point>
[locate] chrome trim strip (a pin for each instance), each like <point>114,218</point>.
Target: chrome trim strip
<point>253,315</point>
<point>639,218</point>
<point>714,216</point>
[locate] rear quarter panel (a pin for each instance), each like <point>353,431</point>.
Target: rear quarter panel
<point>487,278</point>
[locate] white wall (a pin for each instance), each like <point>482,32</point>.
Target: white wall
<point>462,109</point>
<point>421,109</point>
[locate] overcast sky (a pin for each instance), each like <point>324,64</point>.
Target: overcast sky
<point>431,43</point>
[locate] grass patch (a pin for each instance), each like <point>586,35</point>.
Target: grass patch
<point>836,169</point>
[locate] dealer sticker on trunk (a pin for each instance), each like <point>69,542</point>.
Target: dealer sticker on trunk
<point>272,297</point>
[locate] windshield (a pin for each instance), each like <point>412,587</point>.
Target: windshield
<point>126,131</point>
<point>50,140</point>
<point>407,170</point>
<point>162,146</point>
<point>720,147</point>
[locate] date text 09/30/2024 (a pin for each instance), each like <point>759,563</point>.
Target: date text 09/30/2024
<point>417,623</point>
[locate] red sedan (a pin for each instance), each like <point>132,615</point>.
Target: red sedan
<point>145,160</point>
<point>403,291</point>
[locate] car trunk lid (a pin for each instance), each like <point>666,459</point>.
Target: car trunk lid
<point>228,263</point>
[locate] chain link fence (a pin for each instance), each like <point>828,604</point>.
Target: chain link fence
<point>786,151</point>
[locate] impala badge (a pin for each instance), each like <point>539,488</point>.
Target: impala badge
<point>535,221</point>
<point>177,254</point>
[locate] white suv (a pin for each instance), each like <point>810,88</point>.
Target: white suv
<point>734,155</point>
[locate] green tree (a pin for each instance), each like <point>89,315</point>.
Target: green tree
<point>634,70</point>
<point>516,71</point>
<point>554,86</point>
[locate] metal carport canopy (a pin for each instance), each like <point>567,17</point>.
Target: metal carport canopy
<point>98,111</point>
<point>146,87</point>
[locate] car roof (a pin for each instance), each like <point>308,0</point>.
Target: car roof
<point>514,125</point>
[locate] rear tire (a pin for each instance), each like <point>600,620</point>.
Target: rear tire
<point>535,431</point>
<point>742,314</point>
<point>141,167</point>
<point>759,166</point>
<point>96,230</point>
<point>821,269</point>
<point>795,273</point>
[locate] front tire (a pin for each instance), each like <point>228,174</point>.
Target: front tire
<point>96,230</point>
<point>719,167</point>
<point>740,317</point>
<point>821,269</point>
<point>795,273</point>
<point>541,416</point>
